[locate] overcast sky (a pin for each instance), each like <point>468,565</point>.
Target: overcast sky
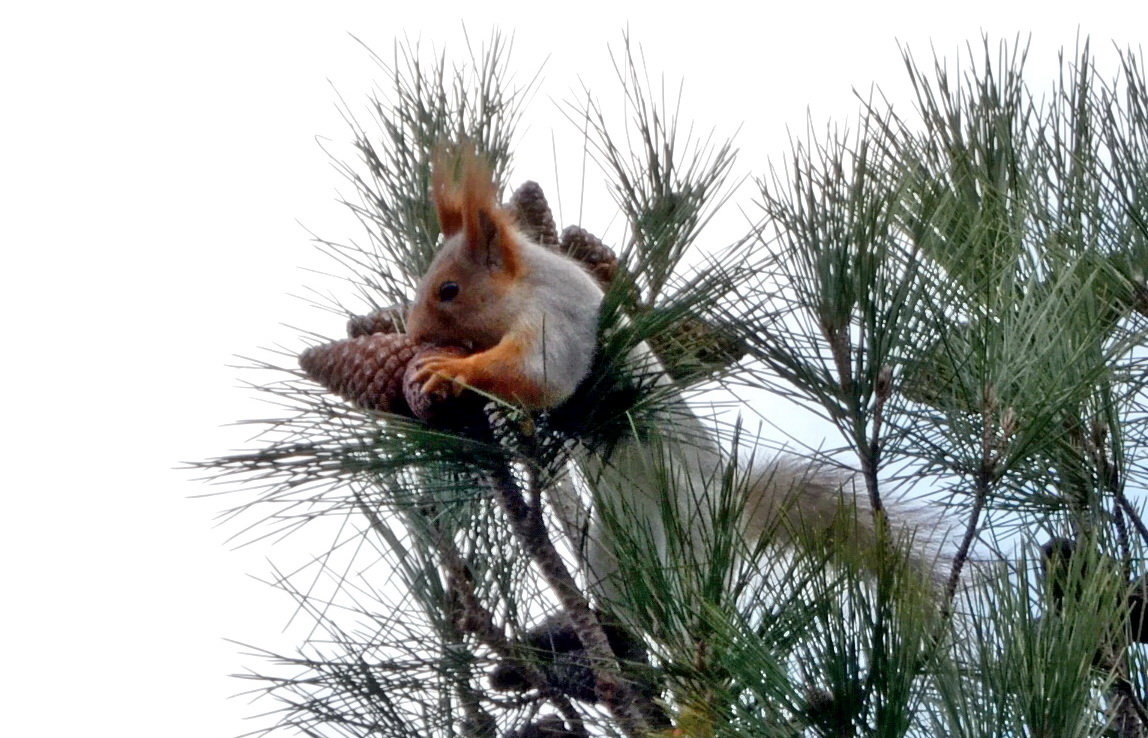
<point>159,174</point>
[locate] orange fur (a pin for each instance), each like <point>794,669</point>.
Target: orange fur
<point>466,198</point>
<point>496,371</point>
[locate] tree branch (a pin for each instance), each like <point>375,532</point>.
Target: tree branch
<point>613,690</point>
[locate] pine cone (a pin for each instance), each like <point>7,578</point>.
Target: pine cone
<point>819,705</point>
<point>368,370</point>
<point>578,243</point>
<point>533,216</point>
<point>383,320</point>
<point>441,408</point>
<point>557,651</point>
<point>694,347</point>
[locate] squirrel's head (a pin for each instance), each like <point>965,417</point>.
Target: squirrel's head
<point>465,296</point>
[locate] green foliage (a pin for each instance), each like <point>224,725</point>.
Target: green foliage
<point>959,291</point>
<point>430,101</point>
<point>667,185</point>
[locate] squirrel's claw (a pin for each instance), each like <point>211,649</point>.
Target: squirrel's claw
<point>435,372</point>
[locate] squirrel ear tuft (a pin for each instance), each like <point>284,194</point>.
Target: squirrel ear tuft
<point>466,198</point>
<point>445,190</point>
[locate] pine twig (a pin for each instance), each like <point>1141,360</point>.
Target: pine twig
<point>1132,514</point>
<point>479,621</point>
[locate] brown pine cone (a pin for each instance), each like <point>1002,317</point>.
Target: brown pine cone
<point>367,370</point>
<point>692,348</point>
<point>440,407</point>
<point>533,216</point>
<point>600,260</point>
<point>383,320</point>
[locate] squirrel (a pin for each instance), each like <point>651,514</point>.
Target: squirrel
<point>529,317</point>
<point>528,314</point>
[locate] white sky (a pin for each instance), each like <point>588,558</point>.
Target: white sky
<point>158,165</point>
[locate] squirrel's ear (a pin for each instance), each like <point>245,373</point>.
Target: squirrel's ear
<point>490,238</point>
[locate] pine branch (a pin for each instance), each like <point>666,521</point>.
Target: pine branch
<point>528,526</point>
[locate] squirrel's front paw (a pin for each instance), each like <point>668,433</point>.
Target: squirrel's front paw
<point>444,372</point>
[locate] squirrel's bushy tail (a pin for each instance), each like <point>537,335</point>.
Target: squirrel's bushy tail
<point>794,502</point>
<point>672,495</point>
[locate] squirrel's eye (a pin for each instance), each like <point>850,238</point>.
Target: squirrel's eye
<point>447,291</point>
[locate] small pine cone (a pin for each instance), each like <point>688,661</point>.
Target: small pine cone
<point>532,213</point>
<point>600,260</point>
<point>441,407</point>
<point>694,347</point>
<point>383,320</point>
<point>557,651</point>
<point>367,370</point>
<point>819,705</point>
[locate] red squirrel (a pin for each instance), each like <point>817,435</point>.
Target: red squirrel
<point>528,313</point>
<point>529,317</point>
